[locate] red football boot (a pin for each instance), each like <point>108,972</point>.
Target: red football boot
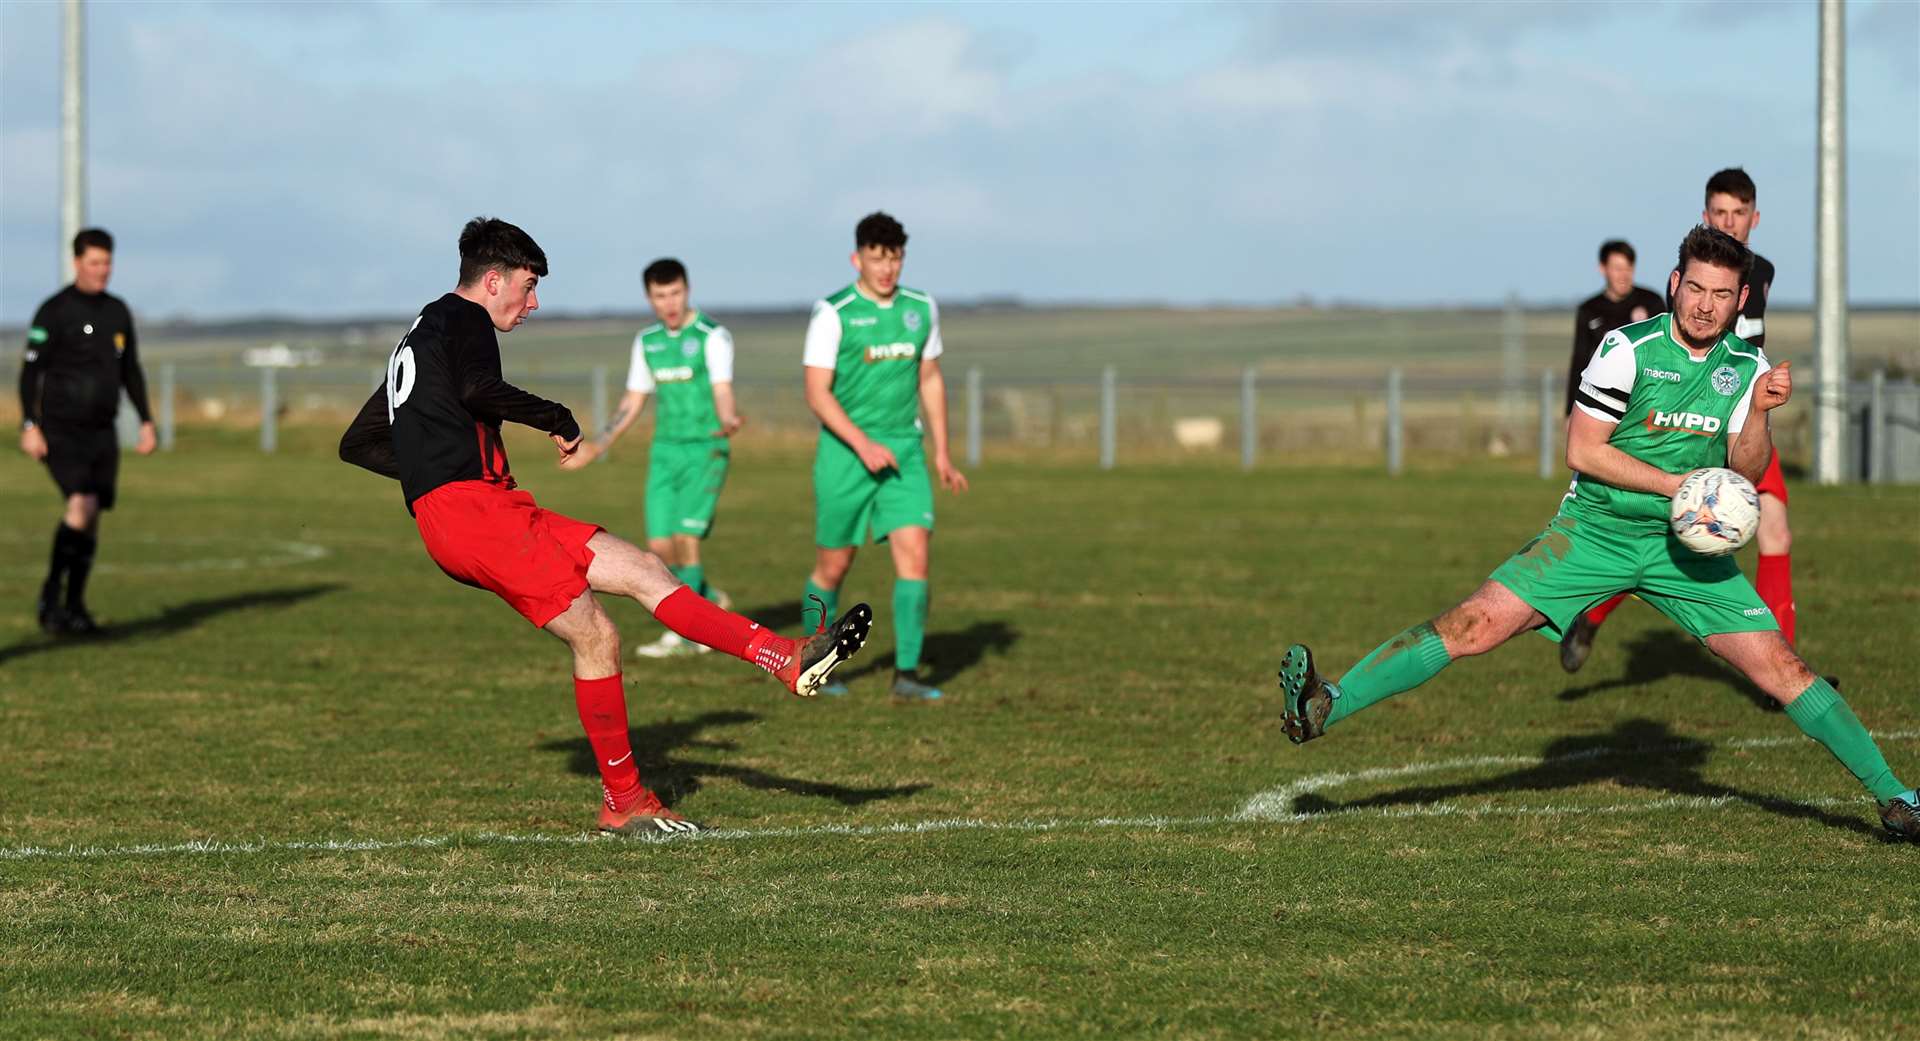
<point>646,818</point>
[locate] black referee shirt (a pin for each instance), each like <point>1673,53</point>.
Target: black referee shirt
<point>1599,316</point>
<point>80,352</point>
<point>438,418</point>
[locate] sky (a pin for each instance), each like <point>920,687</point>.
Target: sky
<point>318,160</point>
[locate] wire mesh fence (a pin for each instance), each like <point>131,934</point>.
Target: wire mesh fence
<point>1396,418</point>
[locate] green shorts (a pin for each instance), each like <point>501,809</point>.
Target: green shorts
<point>1578,562</point>
<point>849,504</point>
<point>684,479</point>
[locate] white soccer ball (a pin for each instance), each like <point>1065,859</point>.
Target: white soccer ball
<point>1715,511</point>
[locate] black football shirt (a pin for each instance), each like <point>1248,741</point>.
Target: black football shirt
<point>437,419</point>
<point>80,352</point>
<point>1599,316</point>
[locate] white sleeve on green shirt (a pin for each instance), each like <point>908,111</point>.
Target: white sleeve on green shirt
<point>1737,421</point>
<point>719,355</point>
<point>1607,381</point>
<point>823,338</point>
<point>934,347</point>
<point>639,376</point>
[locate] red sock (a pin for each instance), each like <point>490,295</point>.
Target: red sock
<point>687,613</point>
<point>1599,612</point>
<point>1774,583</point>
<point>603,712</point>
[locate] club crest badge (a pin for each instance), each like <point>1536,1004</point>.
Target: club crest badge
<point>912,321</point>
<point>1726,381</point>
<point>689,348</point>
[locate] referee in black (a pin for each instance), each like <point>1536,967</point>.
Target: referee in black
<point>80,353</point>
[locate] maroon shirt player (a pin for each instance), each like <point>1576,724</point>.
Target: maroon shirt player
<point>435,427</point>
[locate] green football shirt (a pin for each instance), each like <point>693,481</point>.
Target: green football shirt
<point>875,350</point>
<point>680,369</point>
<point>1672,411</point>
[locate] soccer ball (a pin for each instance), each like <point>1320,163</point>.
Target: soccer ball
<point>1715,511</point>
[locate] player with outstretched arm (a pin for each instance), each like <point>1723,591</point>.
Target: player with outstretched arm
<point>435,427</point>
<point>1660,399</point>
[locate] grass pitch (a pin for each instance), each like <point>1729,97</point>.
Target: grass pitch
<point>314,789</point>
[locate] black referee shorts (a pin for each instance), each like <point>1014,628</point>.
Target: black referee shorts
<point>84,460</point>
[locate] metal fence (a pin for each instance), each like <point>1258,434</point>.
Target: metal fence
<point>1394,420</point>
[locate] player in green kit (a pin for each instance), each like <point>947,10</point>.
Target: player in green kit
<point>872,364</point>
<point>686,361</point>
<point>1660,399</point>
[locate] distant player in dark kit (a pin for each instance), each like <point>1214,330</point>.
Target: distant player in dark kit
<point>1620,303</point>
<point>435,427</point>
<point>81,353</point>
<point>1731,206</point>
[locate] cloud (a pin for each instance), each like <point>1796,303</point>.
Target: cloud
<point>1399,26</point>
<point>242,179</point>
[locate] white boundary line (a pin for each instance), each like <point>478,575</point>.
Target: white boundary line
<point>275,553</point>
<point>1269,807</point>
<point>1276,804</point>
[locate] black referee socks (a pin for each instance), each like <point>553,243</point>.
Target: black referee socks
<point>71,563</point>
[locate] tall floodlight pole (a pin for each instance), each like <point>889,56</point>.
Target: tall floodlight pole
<point>1830,237</point>
<point>73,134</point>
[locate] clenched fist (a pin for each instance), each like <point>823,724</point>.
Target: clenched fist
<point>1775,388</point>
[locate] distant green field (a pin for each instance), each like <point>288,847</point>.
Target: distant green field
<point>311,788</point>
<point>1145,343</point>
<point>1321,376</point>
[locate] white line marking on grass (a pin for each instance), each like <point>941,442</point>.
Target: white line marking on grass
<point>1276,804</point>
<point>257,554</point>
<point>1269,807</point>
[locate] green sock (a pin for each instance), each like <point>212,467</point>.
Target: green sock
<point>1402,663</point>
<point>694,575</point>
<point>909,622</point>
<point>680,573</point>
<point>810,615</point>
<point>1821,714</point>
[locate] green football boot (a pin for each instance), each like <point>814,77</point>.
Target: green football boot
<point>908,690</point>
<point>1308,698</point>
<point>1901,815</point>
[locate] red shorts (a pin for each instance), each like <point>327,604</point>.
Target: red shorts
<point>486,536</point>
<point>1773,482</point>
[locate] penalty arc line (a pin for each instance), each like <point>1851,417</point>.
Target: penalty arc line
<point>1263,808</point>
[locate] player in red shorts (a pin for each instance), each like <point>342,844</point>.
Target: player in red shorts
<point>1731,206</point>
<point>435,427</point>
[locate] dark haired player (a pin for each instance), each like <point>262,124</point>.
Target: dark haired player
<point>1619,303</point>
<point>1730,199</point>
<point>435,427</point>
<point>1660,399</point>
<point>685,360</point>
<point>872,364</point>
<point>80,354</point>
